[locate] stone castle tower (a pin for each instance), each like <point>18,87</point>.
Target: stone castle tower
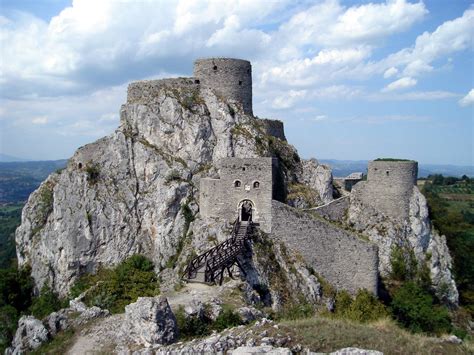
<point>389,187</point>
<point>231,78</point>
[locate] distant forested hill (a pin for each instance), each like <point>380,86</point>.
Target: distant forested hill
<point>19,179</point>
<point>342,168</point>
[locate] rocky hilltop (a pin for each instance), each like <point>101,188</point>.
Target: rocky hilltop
<point>124,193</point>
<point>141,190</point>
<point>137,191</point>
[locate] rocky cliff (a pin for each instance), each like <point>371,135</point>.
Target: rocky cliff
<point>136,191</point>
<point>414,237</point>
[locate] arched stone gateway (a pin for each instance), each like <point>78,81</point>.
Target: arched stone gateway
<point>246,209</point>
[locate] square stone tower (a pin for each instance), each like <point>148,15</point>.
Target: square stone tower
<point>244,191</point>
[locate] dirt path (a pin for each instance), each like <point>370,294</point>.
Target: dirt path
<point>101,337</point>
<point>104,335</point>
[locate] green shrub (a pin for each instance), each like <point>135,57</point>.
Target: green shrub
<point>115,288</point>
<point>93,173</point>
<point>297,311</point>
<point>227,319</point>
<point>8,324</point>
<point>191,327</point>
<point>47,302</point>
<point>199,326</point>
<point>403,263</point>
<point>413,307</point>
<point>366,308</point>
<point>342,304</point>
<point>16,288</point>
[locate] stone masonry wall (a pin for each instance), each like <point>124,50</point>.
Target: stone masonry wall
<point>145,92</point>
<point>220,198</point>
<point>274,128</point>
<point>389,187</point>
<point>342,258</point>
<point>231,78</point>
<point>335,210</point>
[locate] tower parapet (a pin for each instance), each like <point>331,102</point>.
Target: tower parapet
<point>231,78</point>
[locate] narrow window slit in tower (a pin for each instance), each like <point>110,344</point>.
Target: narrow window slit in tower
<point>240,82</point>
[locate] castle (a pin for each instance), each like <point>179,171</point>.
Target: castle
<point>179,134</point>
<point>246,190</point>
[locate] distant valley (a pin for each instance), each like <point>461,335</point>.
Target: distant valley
<point>19,179</point>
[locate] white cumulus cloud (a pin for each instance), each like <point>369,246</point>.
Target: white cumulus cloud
<point>399,84</point>
<point>390,72</point>
<point>468,99</point>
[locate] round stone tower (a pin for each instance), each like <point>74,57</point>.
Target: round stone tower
<point>231,78</point>
<point>389,186</point>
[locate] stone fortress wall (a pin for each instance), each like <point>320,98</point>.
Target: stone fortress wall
<point>231,78</point>
<point>389,187</point>
<point>342,258</point>
<point>145,91</point>
<point>273,128</point>
<point>221,198</point>
<point>228,77</point>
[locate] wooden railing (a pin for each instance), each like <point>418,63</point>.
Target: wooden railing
<point>221,257</point>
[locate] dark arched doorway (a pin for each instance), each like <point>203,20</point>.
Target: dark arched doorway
<point>245,210</point>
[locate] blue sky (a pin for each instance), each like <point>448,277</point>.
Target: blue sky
<point>350,79</point>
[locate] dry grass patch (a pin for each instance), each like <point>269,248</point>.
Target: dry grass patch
<point>326,335</point>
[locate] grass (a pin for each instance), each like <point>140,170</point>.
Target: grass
<point>60,344</point>
<point>326,335</point>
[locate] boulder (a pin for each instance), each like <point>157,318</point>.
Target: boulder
<point>56,322</point>
<point>31,333</point>
<point>150,321</point>
<point>249,314</point>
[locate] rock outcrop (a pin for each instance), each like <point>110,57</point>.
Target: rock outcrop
<point>415,237</point>
<point>124,193</point>
<point>30,334</point>
<point>150,321</point>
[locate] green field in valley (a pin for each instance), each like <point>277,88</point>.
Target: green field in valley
<point>451,203</point>
<point>10,217</point>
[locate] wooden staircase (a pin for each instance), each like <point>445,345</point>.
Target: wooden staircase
<point>211,265</point>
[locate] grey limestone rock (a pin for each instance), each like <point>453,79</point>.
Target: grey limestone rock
<point>56,322</point>
<point>318,177</point>
<point>414,234</point>
<point>31,333</point>
<point>122,195</point>
<point>249,314</point>
<point>150,321</point>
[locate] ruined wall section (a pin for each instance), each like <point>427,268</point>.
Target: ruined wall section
<point>273,128</point>
<point>146,91</point>
<point>342,258</point>
<point>388,188</point>
<point>335,210</point>
<point>231,78</point>
<point>220,198</point>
